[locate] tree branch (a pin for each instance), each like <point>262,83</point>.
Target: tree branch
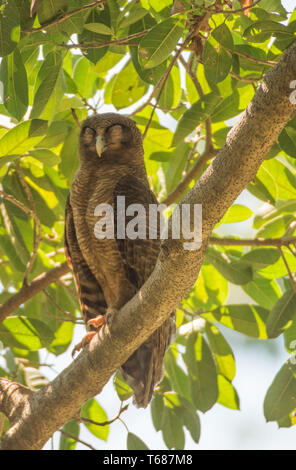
<point>29,290</point>
<point>37,415</point>
<point>67,15</point>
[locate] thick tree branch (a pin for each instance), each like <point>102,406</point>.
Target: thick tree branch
<point>174,274</point>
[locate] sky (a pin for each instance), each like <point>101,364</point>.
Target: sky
<point>221,428</point>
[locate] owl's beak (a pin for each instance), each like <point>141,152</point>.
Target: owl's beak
<point>100,145</point>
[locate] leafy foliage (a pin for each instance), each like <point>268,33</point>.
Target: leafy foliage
<point>141,57</point>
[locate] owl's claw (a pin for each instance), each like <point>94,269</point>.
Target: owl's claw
<point>98,321</point>
<point>86,340</point>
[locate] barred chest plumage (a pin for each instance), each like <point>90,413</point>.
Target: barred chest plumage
<point>102,256</point>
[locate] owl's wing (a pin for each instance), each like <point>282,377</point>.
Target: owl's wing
<point>143,370</point>
<point>92,301</point>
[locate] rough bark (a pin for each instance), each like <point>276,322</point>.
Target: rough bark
<point>36,416</point>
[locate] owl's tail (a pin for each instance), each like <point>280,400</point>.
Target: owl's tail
<point>144,368</point>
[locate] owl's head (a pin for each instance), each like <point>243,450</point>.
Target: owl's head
<point>110,135</point>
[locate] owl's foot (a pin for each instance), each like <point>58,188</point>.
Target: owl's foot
<point>86,340</point>
<point>97,322</point>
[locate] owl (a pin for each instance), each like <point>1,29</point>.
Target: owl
<point>108,271</point>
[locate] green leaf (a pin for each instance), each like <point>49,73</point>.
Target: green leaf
<point>55,135</point>
<point>99,28</point>
<point>172,430</point>
<point>83,68</point>
<point>133,442</point>
<point>68,443</point>
<point>10,251</point>
<point>177,376</point>
<point>47,157</point>
<point>151,75</point>
<point>280,398</point>
<point>25,333</point>
<point>46,82</point>
<point>265,292</point>
<point>69,155</point>
<point>233,271</point>
<point>287,141</point>
<point>23,137</point>
<point>123,390</point>
<point>62,338</point>
<point>222,351</point>
<point>158,43</point>
<point>247,319</point>
<point>92,410</point>
<point>91,37</point>
<point>49,10</point>
<point>259,258</point>
<point>282,313</point>
<point>262,30</point>
<point>9,27</point>
<point>217,61</point>
<point>190,419</point>
<point>202,372</point>
<point>157,409</point>
<point>198,113</point>
<point>136,13</point>
<point>236,213</point>
<point>223,36</point>
<point>228,396</point>
<point>14,78</point>
<point>128,87</point>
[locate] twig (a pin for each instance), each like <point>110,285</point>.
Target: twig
<point>105,423</point>
<point>37,225</point>
<point>67,15</point>
<point>17,203</point>
<point>28,291</point>
<point>69,289</point>
<point>75,117</point>
<point>244,79</point>
<point>179,190</point>
<point>64,312</point>
<point>292,278</point>
<point>269,63</point>
<point>121,41</point>
<point>165,77</point>
<point>71,436</point>
<point>230,12</point>
<point>188,68</point>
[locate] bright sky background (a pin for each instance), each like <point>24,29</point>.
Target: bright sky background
<point>221,428</point>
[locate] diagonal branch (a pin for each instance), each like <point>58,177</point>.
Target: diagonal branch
<point>37,415</point>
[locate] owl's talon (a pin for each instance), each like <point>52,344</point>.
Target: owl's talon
<point>86,340</point>
<point>98,321</point>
